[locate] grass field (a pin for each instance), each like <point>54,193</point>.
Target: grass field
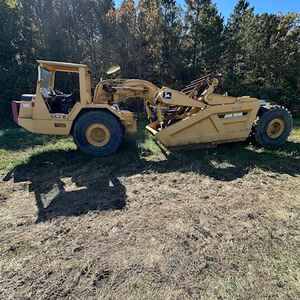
<point>212,224</point>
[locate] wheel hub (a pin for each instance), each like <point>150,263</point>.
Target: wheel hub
<point>275,128</point>
<point>97,135</point>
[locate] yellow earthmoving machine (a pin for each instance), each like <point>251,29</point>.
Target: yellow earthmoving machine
<point>194,116</point>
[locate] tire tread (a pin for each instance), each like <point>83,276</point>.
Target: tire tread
<point>106,118</point>
<point>265,115</point>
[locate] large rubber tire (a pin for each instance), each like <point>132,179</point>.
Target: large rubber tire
<point>265,118</point>
<point>98,118</point>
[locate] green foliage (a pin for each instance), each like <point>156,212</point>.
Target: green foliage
<point>149,28</point>
<point>157,40</point>
<point>204,29</point>
<point>126,37</point>
<point>172,55</point>
<point>262,55</point>
<point>11,3</point>
<point>9,42</point>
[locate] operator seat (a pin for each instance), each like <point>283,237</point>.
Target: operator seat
<point>57,101</point>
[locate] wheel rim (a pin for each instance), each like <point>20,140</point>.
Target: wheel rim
<point>275,128</point>
<point>97,135</point>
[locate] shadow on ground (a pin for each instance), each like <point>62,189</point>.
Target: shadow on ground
<point>103,193</point>
<point>93,183</point>
<point>15,139</point>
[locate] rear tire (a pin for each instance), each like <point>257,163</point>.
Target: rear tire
<point>273,127</point>
<point>98,133</point>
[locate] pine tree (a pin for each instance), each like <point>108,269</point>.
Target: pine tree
<point>171,42</point>
<point>238,32</point>
<point>127,38</point>
<point>149,40</point>
<point>276,57</point>
<point>262,54</point>
<point>204,30</point>
<point>9,60</point>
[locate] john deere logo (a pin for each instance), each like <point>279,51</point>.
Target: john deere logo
<point>167,95</point>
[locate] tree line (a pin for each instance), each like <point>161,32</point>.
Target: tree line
<point>157,40</point>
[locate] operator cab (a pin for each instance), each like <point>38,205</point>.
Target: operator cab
<point>58,102</point>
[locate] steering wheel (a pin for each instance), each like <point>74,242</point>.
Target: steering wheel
<point>51,93</point>
<point>57,92</point>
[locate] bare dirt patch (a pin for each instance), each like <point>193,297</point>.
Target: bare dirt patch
<point>191,226</point>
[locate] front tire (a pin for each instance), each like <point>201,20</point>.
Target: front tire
<point>98,133</point>
<point>273,127</point>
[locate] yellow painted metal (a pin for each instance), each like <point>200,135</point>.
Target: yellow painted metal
<point>40,110</point>
<point>172,97</point>
<point>181,119</point>
<point>209,118</point>
<point>55,66</point>
<point>215,124</point>
<point>85,86</point>
<point>35,115</point>
<point>60,124</point>
<point>124,89</point>
<point>98,135</point>
<point>275,128</point>
<point>26,110</point>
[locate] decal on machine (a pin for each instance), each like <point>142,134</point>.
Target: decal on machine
<point>59,116</point>
<point>167,95</point>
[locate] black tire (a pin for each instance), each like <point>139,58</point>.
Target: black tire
<point>265,117</point>
<point>112,124</point>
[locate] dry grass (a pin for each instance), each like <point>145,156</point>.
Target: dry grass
<point>214,224</point>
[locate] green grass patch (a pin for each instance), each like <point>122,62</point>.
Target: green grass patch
<point>18,146</point>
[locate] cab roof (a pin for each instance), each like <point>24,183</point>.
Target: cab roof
<point>61,66</point>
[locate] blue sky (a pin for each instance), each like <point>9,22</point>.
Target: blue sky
<point>226,6</point>
<point>261,6</point>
